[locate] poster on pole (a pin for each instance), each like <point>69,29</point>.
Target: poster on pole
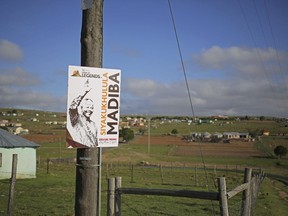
<point>93,107</point>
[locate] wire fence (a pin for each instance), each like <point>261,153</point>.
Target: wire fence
<point>55,183</point>
<point>249,190</point>
<point>194,176</point>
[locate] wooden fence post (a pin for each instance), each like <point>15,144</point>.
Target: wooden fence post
<point>196,177</point>
<point>162,180</point>
<point>12,185</point>
<point>223,196</point>
<point>118,185</point>
<point>253,193</point>
<point>47,168</point>
<point>246,200</point>
<point>132,173</point>
<point>111,197</point>
<point>107,171</point>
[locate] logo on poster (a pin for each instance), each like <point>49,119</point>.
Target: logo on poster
<point>84,73</point>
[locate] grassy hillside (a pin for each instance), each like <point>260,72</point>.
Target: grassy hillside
<point>52,192</point>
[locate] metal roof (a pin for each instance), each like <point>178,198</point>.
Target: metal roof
<point>8,140</point>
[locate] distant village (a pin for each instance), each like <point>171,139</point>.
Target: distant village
<point>14,126</point>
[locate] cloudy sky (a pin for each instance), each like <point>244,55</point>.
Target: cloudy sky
<point>235,55</point>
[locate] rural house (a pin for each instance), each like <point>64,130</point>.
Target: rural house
<point>265,132</point>
<point>12,144</point>
<point>236,135</point>
<point>17,130</point>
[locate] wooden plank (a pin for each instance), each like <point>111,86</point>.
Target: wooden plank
<point>175,193</point>
<point>237,190</point>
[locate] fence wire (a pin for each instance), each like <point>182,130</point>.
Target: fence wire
<point>55,187</point>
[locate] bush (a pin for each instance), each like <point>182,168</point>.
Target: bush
<point>174,131</point>
<point>126,133</point>
<point>280,151</point>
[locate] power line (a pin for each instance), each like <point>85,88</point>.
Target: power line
<point>189,95</point>
<point>264,35</point>
<point>274,41</point>
<point>260,59</point>
<point>181,58</point>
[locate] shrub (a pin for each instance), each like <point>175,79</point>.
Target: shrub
<point>126,133</point>
<point>174,131</point>
<point>280,151</point>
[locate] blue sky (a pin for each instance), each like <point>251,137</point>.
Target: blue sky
<point>235,55</point>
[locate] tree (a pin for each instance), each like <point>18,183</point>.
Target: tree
<point>126,133</point>
<point>174,131</point>
<point>254,132</point>
<point>280,151</point>
<point>142,131</point>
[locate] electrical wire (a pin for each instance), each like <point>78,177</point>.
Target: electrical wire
<point>182,62</point>
<point>274,41</point>
<point>189,94</point>
<point>264,35</point>
<point>260,59</point>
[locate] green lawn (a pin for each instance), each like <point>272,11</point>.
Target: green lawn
<point>53,192</point>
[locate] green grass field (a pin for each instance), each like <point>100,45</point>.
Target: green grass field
<point>53,191</point>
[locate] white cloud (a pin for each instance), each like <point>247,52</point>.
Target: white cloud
<point>30,99</point>
<point>209,97</point>
<point>240,94</point>
<point>241,60</point>
<point>16,77</point>
<point>10,51</point>
<point>141,87</point>
<point>18,88</point>
<point>245,89</point>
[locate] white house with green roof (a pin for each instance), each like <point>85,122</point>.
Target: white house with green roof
<point>26,155</point>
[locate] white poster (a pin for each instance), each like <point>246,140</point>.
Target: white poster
<point>93,107</point>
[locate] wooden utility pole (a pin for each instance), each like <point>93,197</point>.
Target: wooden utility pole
<point>12,185</point>
<point>89,159</point>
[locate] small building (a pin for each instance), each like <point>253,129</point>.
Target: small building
<point>124,124</point>
<point>15,124</point>
<point>206,135</point>
<point>26,153</point>
<point>231,135</point>
<point>17,130</point>
<point>217,135</point>
<point>236,135</point>
<point>33,119</point>
<point>265,132</point>
<point>4,123</point>
<point>244,136</point>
